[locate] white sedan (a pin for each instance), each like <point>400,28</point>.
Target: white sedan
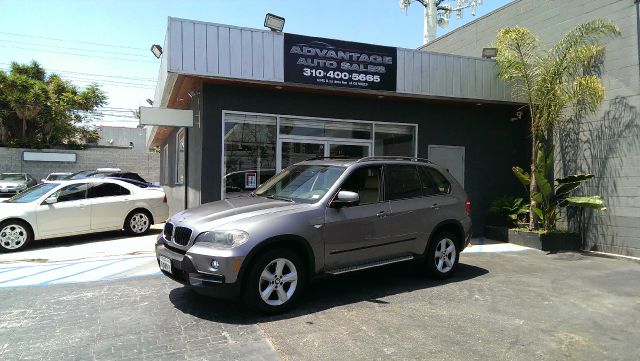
<point>65,208</point>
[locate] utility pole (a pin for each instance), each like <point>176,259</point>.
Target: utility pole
<point>437,12</point>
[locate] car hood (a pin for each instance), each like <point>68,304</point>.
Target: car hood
<point>8,210</point>
<point>4,183</point>
<point>211,215</point>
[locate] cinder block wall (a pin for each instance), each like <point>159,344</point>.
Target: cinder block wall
<point>606,143</point>
<point>147,164</point>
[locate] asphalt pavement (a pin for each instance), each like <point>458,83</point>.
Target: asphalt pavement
<point>504,303</point>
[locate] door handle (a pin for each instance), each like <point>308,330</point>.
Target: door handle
<point>435,207</point>
<point>381,214</point>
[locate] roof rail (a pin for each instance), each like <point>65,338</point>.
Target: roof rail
<point>393,157</point>
<point>319,157</point>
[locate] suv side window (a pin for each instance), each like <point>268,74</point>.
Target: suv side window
<point>366,182</point>
<point>429,187</point>
<point>441,183</point>
<point>107,190</point>
<point>74,192</point>
<point>401,181</point>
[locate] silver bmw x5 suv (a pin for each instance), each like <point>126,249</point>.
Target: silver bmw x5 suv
<point>318,217</point>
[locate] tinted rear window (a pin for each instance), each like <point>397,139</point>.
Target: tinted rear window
<point>401,181</point>
<point>107,190</point>
<point>441,183</point>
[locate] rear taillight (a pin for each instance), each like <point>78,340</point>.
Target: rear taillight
<point>164,200</point>
<point>467,206</point>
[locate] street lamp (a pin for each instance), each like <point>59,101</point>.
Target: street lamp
<point>274,22</point>
<point>156,50</point>
<point>489,53</point>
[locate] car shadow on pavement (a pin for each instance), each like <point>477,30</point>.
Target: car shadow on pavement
<point>365,286</point>
<point>85,239</point>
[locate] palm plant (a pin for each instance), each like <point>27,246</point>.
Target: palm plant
<point>551,198</point>
<point>553,81</point>
<point>509,210</point>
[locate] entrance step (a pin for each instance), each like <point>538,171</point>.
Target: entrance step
<point>370,265</point>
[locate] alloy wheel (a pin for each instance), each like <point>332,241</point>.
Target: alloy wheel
<point>139,223</point>
<point>13,236</point>
<point>278,282</point>
<point>445,255</point>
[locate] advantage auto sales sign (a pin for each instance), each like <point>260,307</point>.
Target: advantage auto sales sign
<point>328,62</point>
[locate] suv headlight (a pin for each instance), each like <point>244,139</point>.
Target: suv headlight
<point>223,239</point>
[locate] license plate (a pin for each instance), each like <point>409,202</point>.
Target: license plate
<point>4,190</point>
<point>165,263</point>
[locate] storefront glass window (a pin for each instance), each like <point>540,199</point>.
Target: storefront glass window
<point>165,165</point>
<point>180,149</point>
<point>249,152</point>
<point>325,128</point>
<point>394,140</point>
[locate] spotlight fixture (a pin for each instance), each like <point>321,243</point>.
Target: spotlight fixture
<point>150,102</point>
<point>274,22</point>
<point>489,53</point>
<point>156,50</point>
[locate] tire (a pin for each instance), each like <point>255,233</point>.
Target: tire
<point>137,222</point>
<point>15,235</point>
<point>282,272</point>
<point>441,265</point>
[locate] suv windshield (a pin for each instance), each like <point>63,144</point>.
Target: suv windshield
<point>32,193</point>
<point>301,183</point>
<point>12,177</point>
<point>53,177</point>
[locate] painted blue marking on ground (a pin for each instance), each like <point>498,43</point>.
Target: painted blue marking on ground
<point>78,273</point>
<point>9,269</point>
<point>126,270</point>
<point>37,273</point>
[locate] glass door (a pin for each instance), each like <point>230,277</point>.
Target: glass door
<point>348,150</point>
<point>293,152</point>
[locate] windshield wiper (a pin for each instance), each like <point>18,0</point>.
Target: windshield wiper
<point>273,196</point>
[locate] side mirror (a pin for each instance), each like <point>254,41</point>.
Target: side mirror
<point>346,198</point>
<point>51,200</point>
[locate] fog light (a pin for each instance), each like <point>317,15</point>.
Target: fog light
<point>215,265</point>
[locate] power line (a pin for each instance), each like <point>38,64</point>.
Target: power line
<point>75,41</point>
<point>84,55</point>
<point>50,70</point>
<point>124,81</point>
<point>77,80</point>
<point>71,48</point>
<point>109,82</point>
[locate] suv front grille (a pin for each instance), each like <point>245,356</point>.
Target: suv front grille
<point>168,231</point>
<point>181,235</point>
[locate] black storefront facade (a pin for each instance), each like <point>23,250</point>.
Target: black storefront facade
<point>251,121</point>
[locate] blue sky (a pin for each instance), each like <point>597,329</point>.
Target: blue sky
<point>107,41</point>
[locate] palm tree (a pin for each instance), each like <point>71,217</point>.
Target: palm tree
<point>554,81</point>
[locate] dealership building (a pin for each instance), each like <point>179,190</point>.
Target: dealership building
<point>606,143</point>
<point>233,106</point>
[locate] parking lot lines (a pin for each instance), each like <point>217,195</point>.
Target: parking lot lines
<point>28,274</point>
<point>22,274</point>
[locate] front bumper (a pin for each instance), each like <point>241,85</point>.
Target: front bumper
<point>184,271</point>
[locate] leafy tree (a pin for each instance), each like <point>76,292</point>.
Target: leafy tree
<point>553,81</point>
<point>38,109</point>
